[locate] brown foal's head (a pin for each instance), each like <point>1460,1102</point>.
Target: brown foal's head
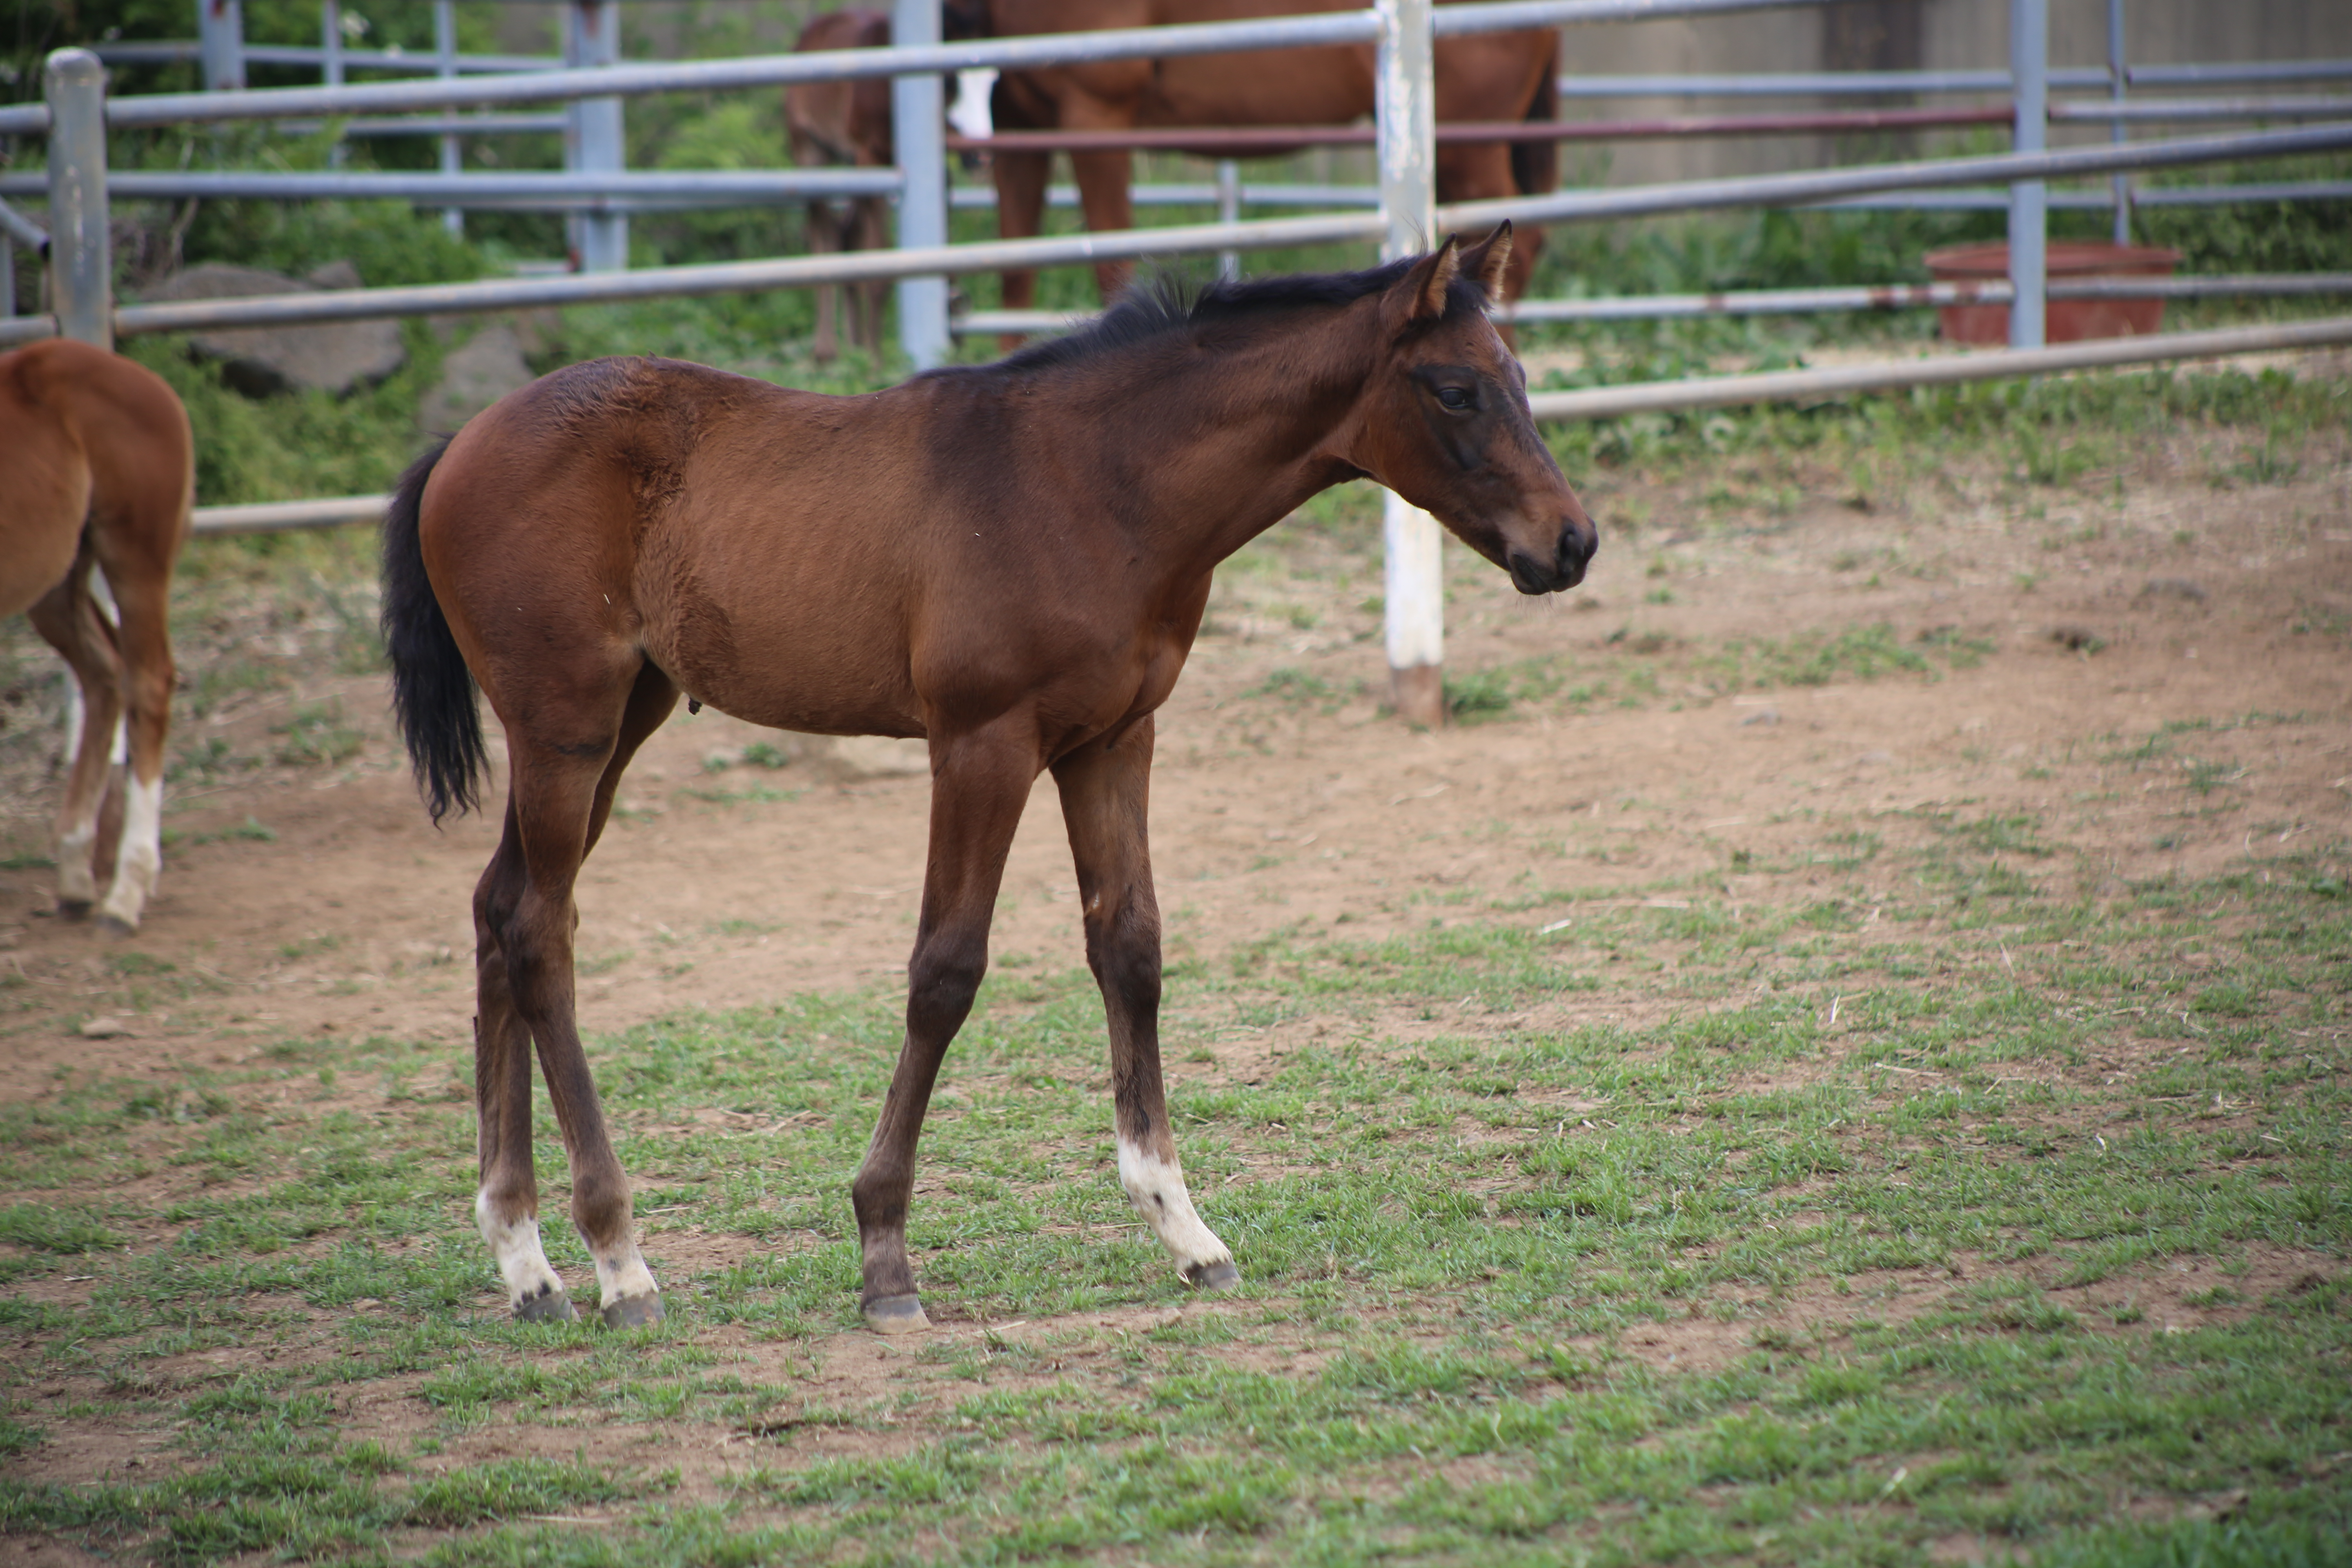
<point>1446,423</point>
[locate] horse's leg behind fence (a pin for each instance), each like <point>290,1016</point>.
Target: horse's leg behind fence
<point>1105,800</point>
<point>1020,215</point>
<point>1104,179</point>
<point>69,618</point>
<point>980,782</point>
<point>823,239</point>
<point>872,233</point>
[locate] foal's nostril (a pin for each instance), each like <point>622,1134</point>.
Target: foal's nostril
<point>1577,546</point>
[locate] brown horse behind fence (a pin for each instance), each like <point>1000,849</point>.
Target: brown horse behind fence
<point>1481,77</point>
<point>844,123</point>
<point>97,471</point>
<point>1010,561</point>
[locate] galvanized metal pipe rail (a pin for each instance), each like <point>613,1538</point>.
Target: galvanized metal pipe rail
<point>1830,84</point>
<point>1999,364</point>
<point>1828,184</point>
<point>846,65</point>
<point>638,78</point>
<point>1920,296</point>
<point>641,188</point>
<point>1232,139</point>
<point>501,294</point>
<point>23,230</point>
<point>1613,402</point>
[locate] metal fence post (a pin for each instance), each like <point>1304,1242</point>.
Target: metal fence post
<point>918,130</point>
<point>1406,110</point>
<point>331,63</point>
<point>2028,200</point>
<point>593,142</point>
<point>81,255</point>
<point>1229,210</point>
<point>445,50</point>
<point>220,43</point>
<point>2117,73</point>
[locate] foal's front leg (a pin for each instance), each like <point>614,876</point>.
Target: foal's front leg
<point>980,782</point>
<point>1105,802</point>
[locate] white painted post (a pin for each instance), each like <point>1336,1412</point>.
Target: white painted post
<point>2029,233</point>
<point>444,52</point>
<point>81,252</point>
<point>2116,72</point>
<point>1229,210</point>
<point>1406,108</point>
<point>220,44</point>
<point>919,130</point>
<point>593,141</point>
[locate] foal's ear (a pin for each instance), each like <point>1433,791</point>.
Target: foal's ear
<point>1421,297</point>
<point>1489,258</point>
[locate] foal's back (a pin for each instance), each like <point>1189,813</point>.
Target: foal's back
<point>730,530</point>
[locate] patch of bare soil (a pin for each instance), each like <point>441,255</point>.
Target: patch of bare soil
<point>2170,1297</point>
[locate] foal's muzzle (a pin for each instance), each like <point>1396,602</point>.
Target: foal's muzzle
<point>1532,574</point>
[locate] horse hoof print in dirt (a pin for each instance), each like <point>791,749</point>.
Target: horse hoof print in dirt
<point>1010,561</point>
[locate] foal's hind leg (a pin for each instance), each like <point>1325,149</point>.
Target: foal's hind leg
<point>524,919</point>
<point>506,1205</point>
<point>69,618</point>
<point>1105,798</point>
<point>138,566</point>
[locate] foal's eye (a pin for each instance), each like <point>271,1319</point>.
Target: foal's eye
<point>1454,397</point>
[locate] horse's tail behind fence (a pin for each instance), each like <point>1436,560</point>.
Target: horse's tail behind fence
<point>431,690</point>
<point>1535,165</point>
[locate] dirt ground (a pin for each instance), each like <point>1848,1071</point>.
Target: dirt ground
<point>2103,612</point>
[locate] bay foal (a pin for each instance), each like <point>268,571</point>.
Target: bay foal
<point>1010,561</point>
<point>97,472</point>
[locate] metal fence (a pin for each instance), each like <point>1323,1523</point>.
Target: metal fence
<point>77,114</point>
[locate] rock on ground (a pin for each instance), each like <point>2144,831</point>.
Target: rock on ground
<point>489,365</point>
<point>330,356</point>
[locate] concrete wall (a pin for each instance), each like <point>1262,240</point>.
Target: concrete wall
<point>1898,35</point>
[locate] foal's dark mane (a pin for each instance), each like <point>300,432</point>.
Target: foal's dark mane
<point>1168,304</point>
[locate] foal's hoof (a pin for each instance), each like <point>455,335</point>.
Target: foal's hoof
<point>897,1315</point>
<point>632,1312</point>
<point>548,1307</point>
<point>73,909</point>
<point>1219,1275</point>
<point>115,925</point>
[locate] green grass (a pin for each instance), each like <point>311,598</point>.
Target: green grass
<point>1872,1236</point>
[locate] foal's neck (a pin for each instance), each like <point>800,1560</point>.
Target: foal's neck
<point>1227,441</point>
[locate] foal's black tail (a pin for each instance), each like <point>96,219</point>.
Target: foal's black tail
<point>431,690</point>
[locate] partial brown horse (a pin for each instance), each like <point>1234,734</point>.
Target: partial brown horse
<point>1010,561</point>
<point>1484,77</point>
<point>848,124</point>
<point>97,471</point>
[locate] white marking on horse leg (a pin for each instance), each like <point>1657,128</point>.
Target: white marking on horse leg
<point>140,861</point>
<point>622,1276</point>
<point>1156,1187</point>
<point>522,1262</point>
<point>77,715</point>
<point>76,882</point>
